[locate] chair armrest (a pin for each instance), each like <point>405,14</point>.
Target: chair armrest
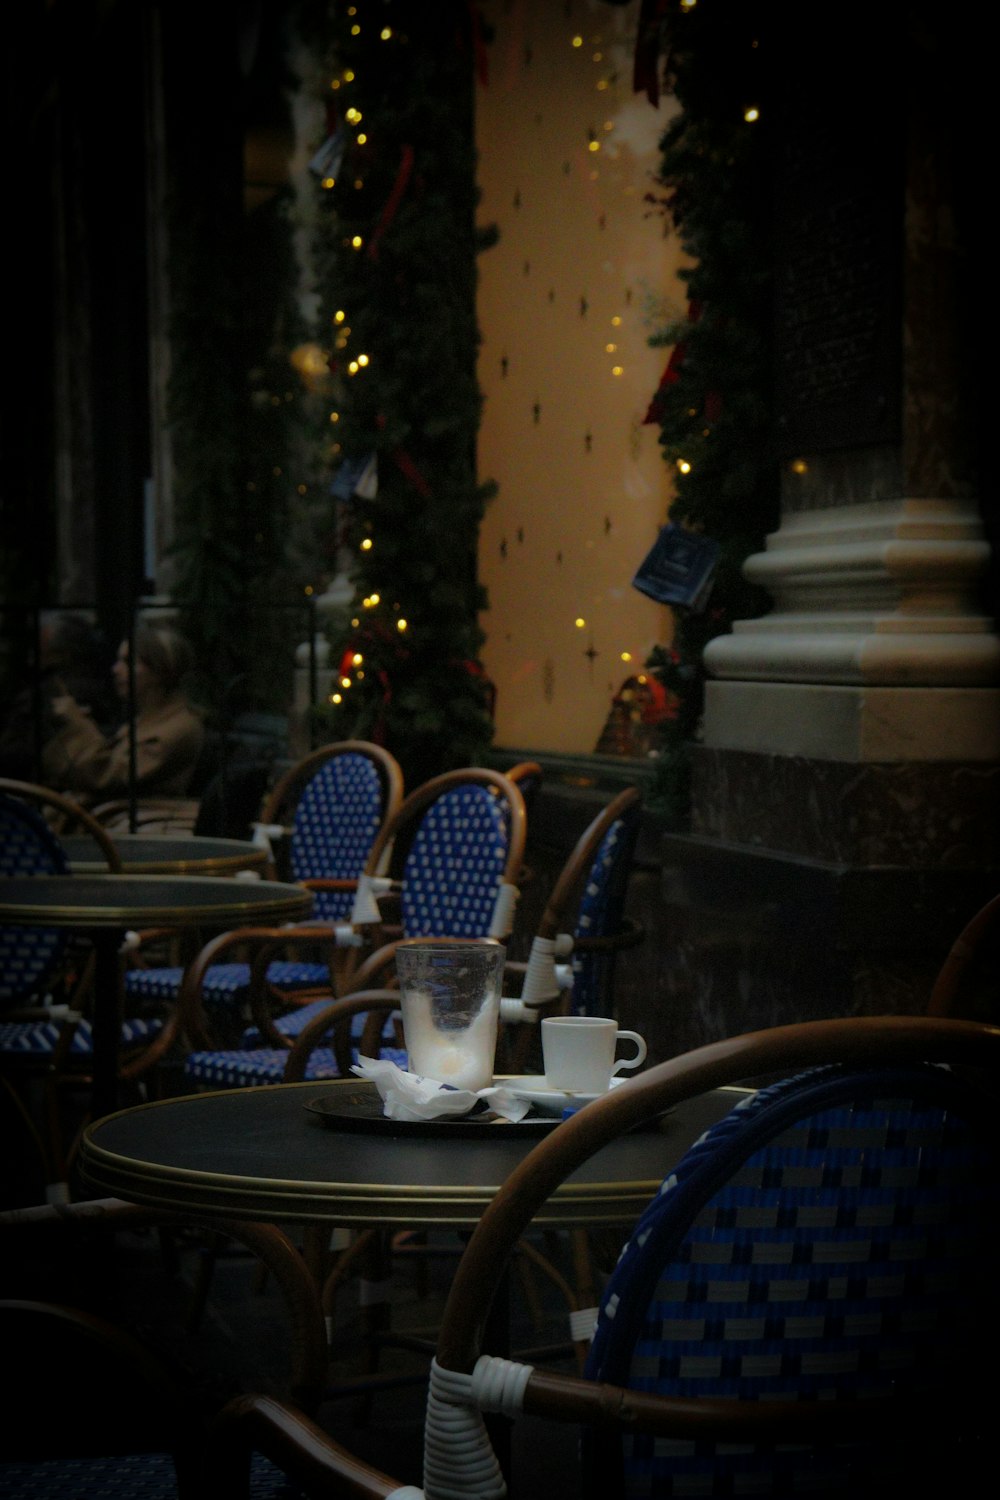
<point>336,1017</point>
<point>260,944</point>
<point>629,935</point>
<point>301,1449</point>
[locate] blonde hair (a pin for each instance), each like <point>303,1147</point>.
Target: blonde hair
<point>166,652</point>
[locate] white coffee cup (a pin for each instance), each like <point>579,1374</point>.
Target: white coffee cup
<point>579,1052</point>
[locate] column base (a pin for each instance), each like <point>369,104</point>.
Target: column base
<point>832,722</point>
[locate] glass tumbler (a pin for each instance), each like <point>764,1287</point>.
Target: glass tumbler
<point>450,1002</point>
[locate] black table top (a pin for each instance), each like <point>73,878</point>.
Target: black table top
<point>261,1154</point>
<point>161,854</point>
<point>95,901</point>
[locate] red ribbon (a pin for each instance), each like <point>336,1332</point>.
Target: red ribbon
<point>405,463</point>
<point>392,202</point>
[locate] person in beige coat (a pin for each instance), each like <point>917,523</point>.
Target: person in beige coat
<point>169,732</point>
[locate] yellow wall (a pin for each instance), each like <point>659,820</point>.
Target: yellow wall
<point>583,263</point>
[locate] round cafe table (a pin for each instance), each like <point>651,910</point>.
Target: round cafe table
<point>167,854</point>
<point>105,907</point>
<point>269,1154</point>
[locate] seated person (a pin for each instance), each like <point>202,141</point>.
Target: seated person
<point>73,658</point>
<point>80,760</point>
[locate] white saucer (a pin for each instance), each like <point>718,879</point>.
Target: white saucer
<point>535,1088</point>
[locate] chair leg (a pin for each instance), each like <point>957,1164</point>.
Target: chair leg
<point>376,1310</point>
<point>344,1264</point>
<point>542,1263</point>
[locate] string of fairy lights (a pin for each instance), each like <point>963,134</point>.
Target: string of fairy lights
<point>352,662</point>
<point>394,249</point>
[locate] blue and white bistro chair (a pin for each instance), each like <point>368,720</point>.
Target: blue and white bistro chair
<point>583,927</point>
<point>803,1309</point>
<point>30,957</point>
<point>451,853</point>
<point>46,974</point>
<point>319,823</point>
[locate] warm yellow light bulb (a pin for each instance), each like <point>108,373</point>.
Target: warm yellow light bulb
<point>349,75</point>
<point>367,544</point>
<point>578,41</point>
<point>617,370</point>
<point>339,315</point>
<point>357,659</point>
<point>401,624</point>
<point>352,368</point>
<point>799,466</point>
<point>579,622</point>
<point>335,416</point>
<point>309,588</point>
<point>345,682</point>
<point>329,182</point>
<point>352,115</point>
<point>594,146</point>
<point>626,656</point>
<point>362,359</point>
<point>336,698</point>
<point>385,33</point>
<point>683,466</point>
<point>616,321</point>
<point>362,138</point>
<point>357,242</point>
<point>751,114</point>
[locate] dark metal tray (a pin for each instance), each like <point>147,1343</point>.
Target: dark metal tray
<point>359,1107</point>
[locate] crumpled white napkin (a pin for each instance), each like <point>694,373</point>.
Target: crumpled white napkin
<point>408,1096</point>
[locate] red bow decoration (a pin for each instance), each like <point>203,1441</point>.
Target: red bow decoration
<point>646,66</point>
<point>712,405</point>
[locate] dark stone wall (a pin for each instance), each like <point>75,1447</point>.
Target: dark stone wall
<point>738,938</point>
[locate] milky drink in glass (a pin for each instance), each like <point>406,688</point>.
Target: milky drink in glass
<point>450,1001</point>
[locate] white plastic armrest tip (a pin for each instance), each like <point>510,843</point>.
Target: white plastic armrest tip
<point>365,909</point>
<point>516,1010</point>
<point>346,937</point>
<point>503,910</point>
<point>582,1324</point>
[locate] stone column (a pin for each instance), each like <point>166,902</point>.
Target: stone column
<point>846,793</point>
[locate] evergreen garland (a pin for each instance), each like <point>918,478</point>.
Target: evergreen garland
<point>397,259</point>
<point>713,406</point>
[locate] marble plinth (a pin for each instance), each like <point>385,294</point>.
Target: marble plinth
<point>914,814</point>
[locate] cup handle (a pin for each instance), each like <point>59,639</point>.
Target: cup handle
<point>640,1051</point>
